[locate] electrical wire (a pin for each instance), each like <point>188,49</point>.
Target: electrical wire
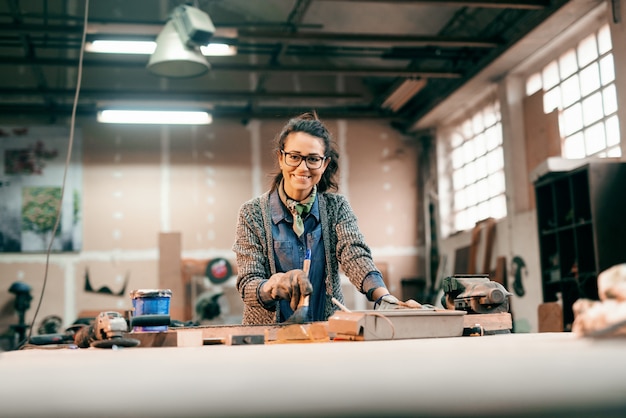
<point>79,77</point>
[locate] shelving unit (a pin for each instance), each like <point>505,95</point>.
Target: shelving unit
<point>581,216</point>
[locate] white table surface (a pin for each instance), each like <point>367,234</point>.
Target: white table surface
<point>551,374</point>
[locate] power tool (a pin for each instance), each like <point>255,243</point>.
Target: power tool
<point>474,293</point>
<point>106,331</point>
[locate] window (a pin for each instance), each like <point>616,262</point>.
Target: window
<point>581,85</point>
<point>472,152</point>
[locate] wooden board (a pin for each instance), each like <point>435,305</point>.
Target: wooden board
<point>550,317</point>
<point>397,324</point>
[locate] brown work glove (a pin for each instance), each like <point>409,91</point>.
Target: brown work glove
<point>292,286</point>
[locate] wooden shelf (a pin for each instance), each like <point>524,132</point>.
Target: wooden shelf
<point>580,219</point>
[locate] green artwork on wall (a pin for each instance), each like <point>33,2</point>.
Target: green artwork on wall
<point>32,198</point>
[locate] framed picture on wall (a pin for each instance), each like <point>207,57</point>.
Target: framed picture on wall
<point>32,167</point>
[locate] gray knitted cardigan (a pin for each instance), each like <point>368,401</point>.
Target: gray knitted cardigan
<point>254,247</point>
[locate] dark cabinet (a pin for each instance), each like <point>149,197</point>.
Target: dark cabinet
<point>581,216</point>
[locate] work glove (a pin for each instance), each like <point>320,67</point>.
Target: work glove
<point>388,302</point>
<point>291,286</point>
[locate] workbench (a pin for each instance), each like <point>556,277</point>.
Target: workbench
<point>545,374</point>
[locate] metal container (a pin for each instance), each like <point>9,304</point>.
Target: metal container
<point>151,302</point>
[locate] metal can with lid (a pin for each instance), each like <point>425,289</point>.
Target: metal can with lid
<point>151,302</point>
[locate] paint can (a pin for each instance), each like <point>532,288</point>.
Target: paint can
<point>151,302</point>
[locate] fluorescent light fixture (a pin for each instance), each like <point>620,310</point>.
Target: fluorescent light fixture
<point>155,117</point>
<point>121,47</point>
<point>218,50</point>
<point>147,48</point>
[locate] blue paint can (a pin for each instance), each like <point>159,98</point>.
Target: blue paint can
<point>151,302</point>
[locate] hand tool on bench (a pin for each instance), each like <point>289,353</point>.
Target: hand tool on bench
<point>106,331</point>
<point>301,314</point>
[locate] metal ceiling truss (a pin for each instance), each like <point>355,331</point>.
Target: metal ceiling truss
<point>476,34</point>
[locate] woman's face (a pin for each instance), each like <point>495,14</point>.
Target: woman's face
<point>299,181</point>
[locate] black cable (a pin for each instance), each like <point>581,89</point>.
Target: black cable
<point>21,344</point>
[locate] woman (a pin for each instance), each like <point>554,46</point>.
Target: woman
<point>300,216</point>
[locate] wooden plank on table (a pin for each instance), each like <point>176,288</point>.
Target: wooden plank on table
<point>170,275</point>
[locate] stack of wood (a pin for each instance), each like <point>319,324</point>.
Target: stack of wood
<point>606,317</point>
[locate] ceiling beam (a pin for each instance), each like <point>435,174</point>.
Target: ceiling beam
<point>233,112</point>
<point>493,4</point>
<point>263,36</point>
<point>152,95</point>
<point>276,69</point>
<point>369,39</point>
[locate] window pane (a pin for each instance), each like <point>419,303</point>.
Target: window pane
<point>574,147</point>
<point>609,100</point>
<point>482,190</point>
<point>494,136</point>
<point>472,217</point>
<point>594,138</point>
<point>459,221</point>
<point>571,120</point>
<point>470,173</point>
<point>533,84</point>
<point>615,152</point>
<point>612,131</point>
<point>589,79</point>
<point>607,69</point>
<point>491,117</point>
<point>498,206</point>
<point>481,167</point>
<point>567,64</point>
<point>477,124</point>
<point>550,75</point>
<point>480,145</point>
<point>604,39</point>
<point>552,100</point>
<point>459,200</point>
<point>457,158</point>
<point>592,108</point>
<point>470,195</point>
<point>467,129</point>
<point>495,161</point>
<point>482,211</point>
<point>456,140</point>
<point>571,90</point>
<point>468,151</point>
<point>458,180</point>
<point>587,50</point>
<point>496,184</point>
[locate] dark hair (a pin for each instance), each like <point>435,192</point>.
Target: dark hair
<point>309,123</point>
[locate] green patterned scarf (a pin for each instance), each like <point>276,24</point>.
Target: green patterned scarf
<point>297,209</point>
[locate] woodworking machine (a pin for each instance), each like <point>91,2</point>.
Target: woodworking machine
<point>475,294</point>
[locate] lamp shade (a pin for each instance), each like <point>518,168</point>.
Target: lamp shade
<point>172,58</point>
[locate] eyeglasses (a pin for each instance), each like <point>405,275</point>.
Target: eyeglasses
<point>294,160</point>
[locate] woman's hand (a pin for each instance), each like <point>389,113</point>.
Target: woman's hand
<point>291,286</point>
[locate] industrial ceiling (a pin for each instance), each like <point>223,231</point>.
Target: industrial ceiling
<point>351,59</point>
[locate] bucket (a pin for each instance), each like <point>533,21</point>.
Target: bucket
<point>151,302</point>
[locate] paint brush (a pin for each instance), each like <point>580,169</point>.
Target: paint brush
<point>301,314</point>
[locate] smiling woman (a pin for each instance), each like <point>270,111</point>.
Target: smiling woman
<point>300,219</point>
